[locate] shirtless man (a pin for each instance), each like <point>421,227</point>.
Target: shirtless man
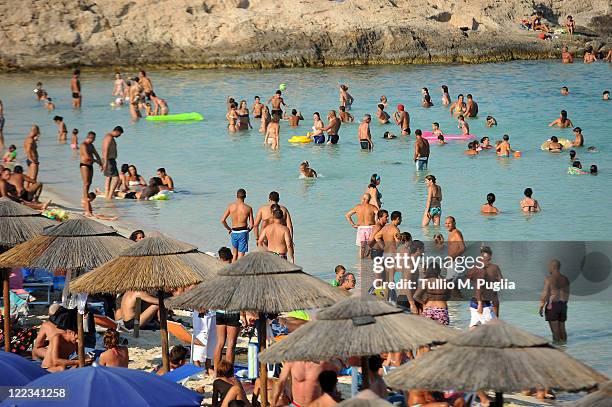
<point>27,188</point>
<point>579,140</point>
<point>366,219</point>
<point>166,179</point>
<point>345,117</point>
<point>134,93</point>
<point>62,131</point>
<point>421,151</point>
<point>257,107</point>
<point>456,245</point>
<point>264,215</point>
<point>332,128</point>
<point>75,88</point>
<point>88,156</point>
<point>278,237</point>
<point>128,308</point>
<point>382,116</point>
<point>276,101</point>
<point>388,238</point>
<point>242,216</point>
<point>566,56</point>
<point>47,330</point>
<point>553,301</point>
<point>402,119</point>
<point>30,148</point>
<point>504,149</point>
<point>375,247</point>
<point>484,305</point>
<point>109,161</point>
<point>328,381</point>
<point>145,82</point>
<point>304,382</point>
<point>589,56</point>
<point>363,133</point>
<point>472,107</point>
<point>61,346</point>
<point>294,119</point>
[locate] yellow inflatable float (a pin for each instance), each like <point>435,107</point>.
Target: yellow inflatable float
<point>563,141</point>
<point>300,139</point>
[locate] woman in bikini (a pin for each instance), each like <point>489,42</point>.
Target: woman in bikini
<point>244,123</point>
<point>134,179</point>
<point>458,107</point>
<point>317,129</point>
<point>119,89</point>
<point>445,96</point>
<point>232,118</point>
<point>562,121</point>
<point>528,204</point>
<point>434,300</point>
<point>373,191</point>
<point>115,355</point>
<point>265,119</point>
<point>433,205</point>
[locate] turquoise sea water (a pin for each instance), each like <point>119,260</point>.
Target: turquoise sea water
<point>208,164</point>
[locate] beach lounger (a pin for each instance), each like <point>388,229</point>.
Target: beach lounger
<point>182,334</point>
<point>183,373</point>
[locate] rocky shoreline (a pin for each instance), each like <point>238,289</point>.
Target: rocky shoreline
<point>184,34</point>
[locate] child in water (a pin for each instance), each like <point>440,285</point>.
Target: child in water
<point>485,143</point>
<point>10,155</point>
<point>74,139</point>
<point>441,141</point>
<point>435,127</point>
<point>306,171</point>
<point>491,121</point>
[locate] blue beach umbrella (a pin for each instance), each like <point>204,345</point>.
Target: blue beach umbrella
<point>103,387</point>
<point>18,371</point>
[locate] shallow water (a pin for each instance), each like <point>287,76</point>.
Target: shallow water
<point>208,164</point>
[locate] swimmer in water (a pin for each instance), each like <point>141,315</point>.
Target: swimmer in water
<point>562,121</point>
<point>485,143</point>
<point>503,149</point>
<point>564,91</point>
<point>265,119</point>
<point>306,171</point>
<point>566,56</point>
<point>62,131</point>
<point>277,102</point>
<point>402,119</point>
<point>384,101</point>
<point>160,105</point>
<point>426,102</point>
<point>345,117</point>
<point>388,135</point>
<point>273,133</point>
<point>491,121</point>
<point>441,141</point>
<point>364,135</point>
<point>593,169</point>
<point>528,204</point>
<point>294,119</point>
<point>149,109</point>
<point>572,156</point>
<point>579,140</point>
<point>435,129</point>
<point>471,149</point>
<point>576,169</point>
<point>433,203</point>
<point>445,96</point>
<point>10,155</point>
<point>232,118</point>
<point>554,146</point>
<point>317,129</point>
<point>488,208</point>
<point>471,109</point>
<point>332,128</point>
<point>119,86</point>
<point>589,56</point>
<point>381,115</point>
<point>606,93</point>
<point>49,105</point>
<point>244,121</point>
<point>346,99</point>
<point>458,107</point>
<point>257,107</point>
<point>74,139</point>
<point>462,125</point>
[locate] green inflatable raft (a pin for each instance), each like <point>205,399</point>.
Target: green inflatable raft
<point>180,117</point>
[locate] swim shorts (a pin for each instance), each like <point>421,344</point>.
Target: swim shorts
<point>333,138</point>
<point>556,311</point>
<point>437,314</point>
<point>76,95</point>
<point>228,318</point>
<point>130,195</point>
<point>481,319</point>
<point>363,234</point>
<point>421,163</point>
<point>435,211</point>
<point>278,112</point>
<point>111,168</point>
<point>240,240</point>
<point>319,139</point>
<point>30,162</point>
<point>365,144</point>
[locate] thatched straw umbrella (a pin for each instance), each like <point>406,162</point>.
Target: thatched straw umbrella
<point>18,223</point>
<point>78,244</point>
<point>156,263</point>
<point>365,398</point>
<point>600,398</point>
<point>261,282</point>
<point>495,356</point>
<point>358,326</point>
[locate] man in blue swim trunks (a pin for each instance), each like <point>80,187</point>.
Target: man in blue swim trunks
<point>242,223</point>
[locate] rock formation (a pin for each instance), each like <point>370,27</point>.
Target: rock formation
<point>47,34</point>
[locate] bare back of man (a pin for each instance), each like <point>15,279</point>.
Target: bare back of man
<point>278,239</point>
<point>46,331</point>
<point>61,346</point>
<point>128,308</point>
<point>264,218</point>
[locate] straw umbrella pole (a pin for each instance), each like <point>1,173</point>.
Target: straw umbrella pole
<point>601,398</point>
<point>361,326</point>
<point>156,263</point>
<point>499,357</point>
<point>18,223</point>
<point>76,245</point>
<point>261,282</point>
